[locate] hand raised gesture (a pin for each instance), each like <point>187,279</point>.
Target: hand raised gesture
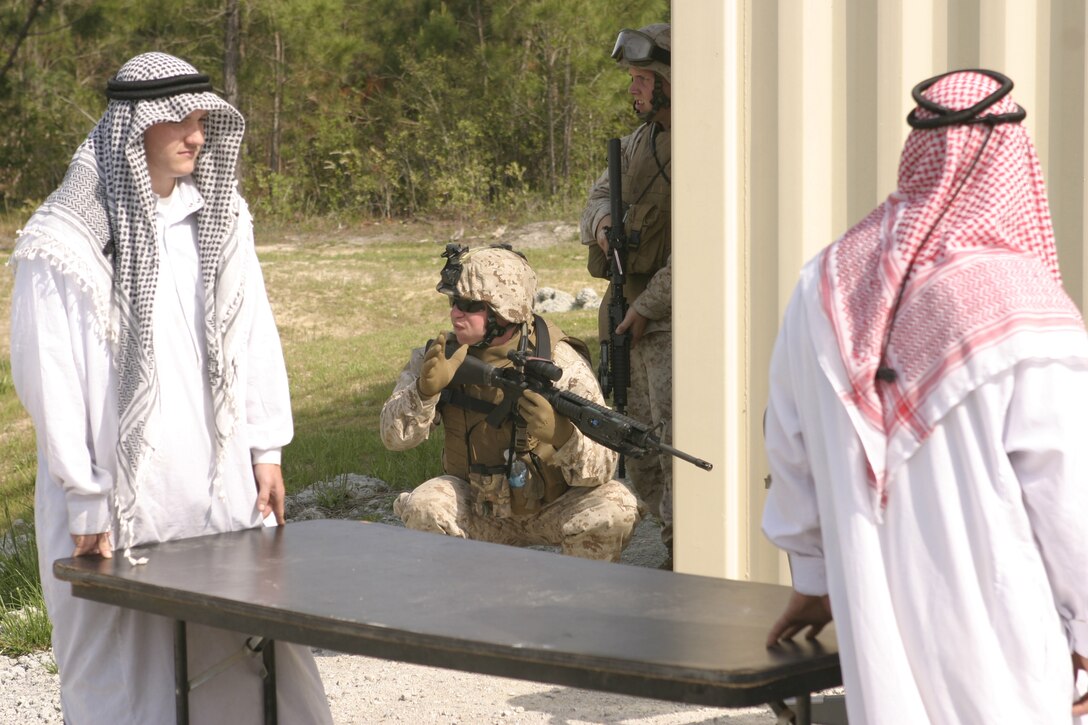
<point>437,369</point>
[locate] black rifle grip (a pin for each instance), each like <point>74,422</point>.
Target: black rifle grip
<point>621,376</point>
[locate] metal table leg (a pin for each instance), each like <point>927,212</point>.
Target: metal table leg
<point>181,673</point>
<point>796,711</point>
<point>803,708</point>
<point>268,674</point>
<point>183,685</point>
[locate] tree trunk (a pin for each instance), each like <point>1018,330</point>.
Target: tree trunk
<point>568,114</point>
<point>232,60</point>
<point>232,51</point>
<point>277,102</point>
<point>20,36</point>
<point>553,113</point>
<point>481,36</point>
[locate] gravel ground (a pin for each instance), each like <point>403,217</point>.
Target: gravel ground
<point>363,690</point>
<point>368,690</point>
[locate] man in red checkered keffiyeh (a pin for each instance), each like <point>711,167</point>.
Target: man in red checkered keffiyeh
<point>929,386</point>
<point>961,255</point>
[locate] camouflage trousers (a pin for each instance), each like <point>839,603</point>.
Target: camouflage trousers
<point>589,522</point>
<point>649,400</point>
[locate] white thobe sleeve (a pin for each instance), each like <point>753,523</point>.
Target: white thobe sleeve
<point>51,339</point>
<point>1044,438</point>
<point>791,517</point>
<point>268,399</point>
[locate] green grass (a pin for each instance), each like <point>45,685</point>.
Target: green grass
<point>24,625</point>
<point>350,304</point>
<point>17,457</point>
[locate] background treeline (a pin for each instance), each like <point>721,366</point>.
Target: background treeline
<point>362,108</point>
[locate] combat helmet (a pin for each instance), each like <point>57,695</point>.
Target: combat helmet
<point>495,275</point>
<point>649,47</point>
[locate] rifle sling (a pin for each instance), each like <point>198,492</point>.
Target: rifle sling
<point>543,338</point>
<point>459,399</point>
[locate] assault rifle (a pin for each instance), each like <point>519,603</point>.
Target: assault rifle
<point>608,427</point>
<point>614,372</point>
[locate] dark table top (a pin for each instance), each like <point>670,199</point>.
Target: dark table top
<point>405,595</point>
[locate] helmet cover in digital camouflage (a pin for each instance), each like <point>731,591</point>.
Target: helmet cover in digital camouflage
<point>496,275</point>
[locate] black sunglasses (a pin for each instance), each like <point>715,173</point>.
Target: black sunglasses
<point>466,305</point>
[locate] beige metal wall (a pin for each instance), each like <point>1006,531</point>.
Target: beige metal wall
<point>789,118</point>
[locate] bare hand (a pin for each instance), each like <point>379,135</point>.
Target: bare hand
<point>271,492</point>
<point>1080,664</point>
<point>438,370</point>
<point>802,611</point>
<point>93,544</point>
<point>634,322</point>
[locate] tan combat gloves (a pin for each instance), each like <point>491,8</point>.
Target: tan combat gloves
<point>437,369</point>
<point>541,420</point>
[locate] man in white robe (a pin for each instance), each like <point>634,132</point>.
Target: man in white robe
<point>925,430</point>
<point>145,351</point>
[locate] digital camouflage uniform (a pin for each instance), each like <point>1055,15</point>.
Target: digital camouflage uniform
<point>570,499</point>
<point>645,160</point>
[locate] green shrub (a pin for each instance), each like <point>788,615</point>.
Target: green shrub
<point>24,625</point>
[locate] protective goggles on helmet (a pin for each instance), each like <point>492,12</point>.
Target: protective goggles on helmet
<point>636,47</point>
<point>466,305</point>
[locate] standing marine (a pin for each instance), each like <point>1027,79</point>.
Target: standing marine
<point>646,191</point>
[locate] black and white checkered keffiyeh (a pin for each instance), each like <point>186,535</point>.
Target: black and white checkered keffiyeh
<point>106,197</point>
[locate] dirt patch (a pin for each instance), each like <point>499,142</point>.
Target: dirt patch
<point>520,236</point>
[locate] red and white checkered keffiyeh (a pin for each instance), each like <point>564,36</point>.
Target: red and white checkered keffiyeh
<point>968,237</point>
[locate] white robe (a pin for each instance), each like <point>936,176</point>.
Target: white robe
<point>116,665</point>
<point>962,607</point>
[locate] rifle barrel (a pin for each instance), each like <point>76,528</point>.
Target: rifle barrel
<point>705,465</point>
